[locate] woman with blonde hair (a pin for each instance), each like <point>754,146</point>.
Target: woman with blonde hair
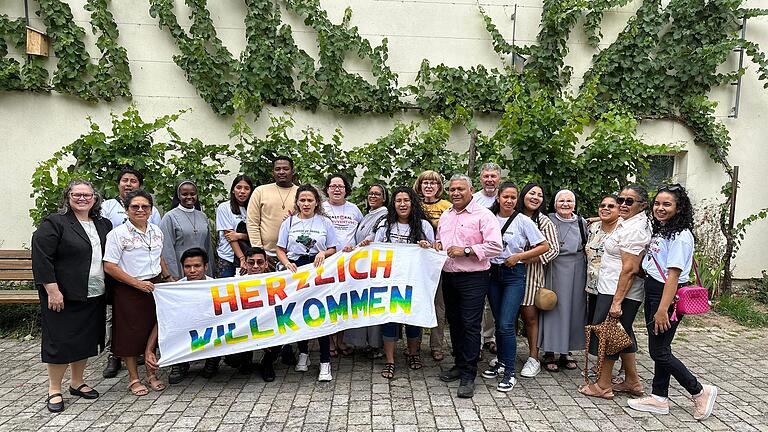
<point>429,187</point>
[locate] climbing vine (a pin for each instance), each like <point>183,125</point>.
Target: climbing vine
<point>111,77</point>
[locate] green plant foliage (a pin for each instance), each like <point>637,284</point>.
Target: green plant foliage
<point>98,157</point>
<point>314,157</point>
<point>743,310</point>
<point>594,17</point>
<point>111,77</point>
<point>31,75</point>
<point>398,157</point>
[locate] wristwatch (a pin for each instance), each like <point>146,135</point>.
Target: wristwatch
<point>467,251</point>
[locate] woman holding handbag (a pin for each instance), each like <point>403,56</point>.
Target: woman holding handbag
<point>667,266</point>
<point>620,290</point>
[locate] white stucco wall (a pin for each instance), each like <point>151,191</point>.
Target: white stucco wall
<point>33,126</point>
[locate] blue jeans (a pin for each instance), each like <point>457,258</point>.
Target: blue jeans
<point>225,268</point>
<point>389,332</point>
<point>505,293</point>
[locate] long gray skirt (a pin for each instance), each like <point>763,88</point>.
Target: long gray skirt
<point>562,329</point>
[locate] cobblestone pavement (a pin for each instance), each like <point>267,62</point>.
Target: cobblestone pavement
<point>359,399</point>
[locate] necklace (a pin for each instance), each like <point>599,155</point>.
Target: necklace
<point>281,196</point>
<point>191,221</point>
<point>148,244</point>
<point>562,241</point>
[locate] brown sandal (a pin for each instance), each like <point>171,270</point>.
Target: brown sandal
<point>622,387</point>
<point>140,390</point>
<point>593,390</point>
<point>155,384</point>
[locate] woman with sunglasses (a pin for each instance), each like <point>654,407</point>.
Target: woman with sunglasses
<point>67,250</point>
<point>620,290</point>
<point>185,227</point>
<point>608,215</point>
<point>308,237</point>
<point>667,266</point>
<point>429,187</point>
<point>133,256</point>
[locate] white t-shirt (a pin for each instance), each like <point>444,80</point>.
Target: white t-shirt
<point>113,210</point>
<point>226,220</point>
<point>96,272</point>
<point>483,200</point>
<point>399,232</point>
<point>632,236</point>
<point>674,253</point>
<point>345,219</point>
<point>306,236</point>
<point>137,253</point>
<point>520,233</point>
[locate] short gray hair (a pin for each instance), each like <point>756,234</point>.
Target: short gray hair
<point>464,177</point>
<point>490,166</point>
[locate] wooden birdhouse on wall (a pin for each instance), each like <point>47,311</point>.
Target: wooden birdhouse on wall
<point>37,42</point>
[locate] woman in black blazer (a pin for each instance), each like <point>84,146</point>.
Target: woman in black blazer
<point>67,251</point>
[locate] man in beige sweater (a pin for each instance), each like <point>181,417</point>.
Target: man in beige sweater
<point>269,206</point>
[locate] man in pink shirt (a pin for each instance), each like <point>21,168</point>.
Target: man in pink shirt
<point>471,236</point>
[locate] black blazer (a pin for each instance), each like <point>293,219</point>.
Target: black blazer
<point>61,253</point>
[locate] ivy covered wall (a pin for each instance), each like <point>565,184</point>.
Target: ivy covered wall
<point>449,32</point>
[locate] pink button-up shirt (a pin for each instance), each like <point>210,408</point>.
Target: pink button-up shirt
<point>474,226</point>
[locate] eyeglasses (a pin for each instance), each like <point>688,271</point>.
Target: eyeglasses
<point>136,207</point>
<point>375,194</point>
<point>85,196</point>
<point>628,201</point>
<point>670,188</point>
<point>430,183</point>
<point>336,186</point>
<point>609,206</point>
<point>259,262</point>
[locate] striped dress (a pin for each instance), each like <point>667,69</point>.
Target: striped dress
<point>536,272</point>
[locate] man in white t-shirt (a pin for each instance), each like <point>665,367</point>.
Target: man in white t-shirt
<point>490,178</point>
<point>114,209</point>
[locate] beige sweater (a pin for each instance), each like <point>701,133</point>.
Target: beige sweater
<point>267,209</point>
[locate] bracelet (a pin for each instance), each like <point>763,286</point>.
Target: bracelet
<point>165,277</point>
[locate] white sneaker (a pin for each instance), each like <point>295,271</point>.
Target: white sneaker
<point>303,364</point>
<point>531,368</point>
<point>325,372</point>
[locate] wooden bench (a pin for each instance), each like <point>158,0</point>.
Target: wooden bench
<point>16,266</point>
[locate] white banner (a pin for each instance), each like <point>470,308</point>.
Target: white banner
<point>373,285</point>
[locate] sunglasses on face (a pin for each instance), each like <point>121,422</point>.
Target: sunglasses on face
<point>259,262</point>
<point>628,201</point>
<point>609,206</point>
<point>136,207</point>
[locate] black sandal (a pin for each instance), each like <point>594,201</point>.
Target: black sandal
<point>389,371</point>
<point>567,363</point>
<point>550,364</point>
<point>414,362</point>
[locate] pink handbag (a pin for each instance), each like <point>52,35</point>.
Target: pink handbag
<point>691,299</point>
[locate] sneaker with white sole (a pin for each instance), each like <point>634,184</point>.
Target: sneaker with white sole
<point>704,402</point>
<point>531,368</point>
<point>494,371</point>
<point>649,404</point>
<point>303,364</point>
<point>507,383</point>
<point>325,372</point>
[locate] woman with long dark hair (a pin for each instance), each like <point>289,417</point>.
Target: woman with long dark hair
<point>308,237</point>
<point>405,223</point>
<point>229,215</point>
<point>521,240</point>
<point>531,204</point>
<point>667,266</point>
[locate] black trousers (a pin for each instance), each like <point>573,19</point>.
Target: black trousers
<point>660,346</point>
<point>464,295</point>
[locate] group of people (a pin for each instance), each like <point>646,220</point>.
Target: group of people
<point>96,264</point>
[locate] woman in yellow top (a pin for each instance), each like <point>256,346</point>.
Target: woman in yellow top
<point>429,187</point>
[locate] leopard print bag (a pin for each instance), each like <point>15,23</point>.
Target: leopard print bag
<point>612,338</point>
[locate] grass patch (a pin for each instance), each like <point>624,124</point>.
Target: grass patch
<point>19,320</point>
<point>744,310</point>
